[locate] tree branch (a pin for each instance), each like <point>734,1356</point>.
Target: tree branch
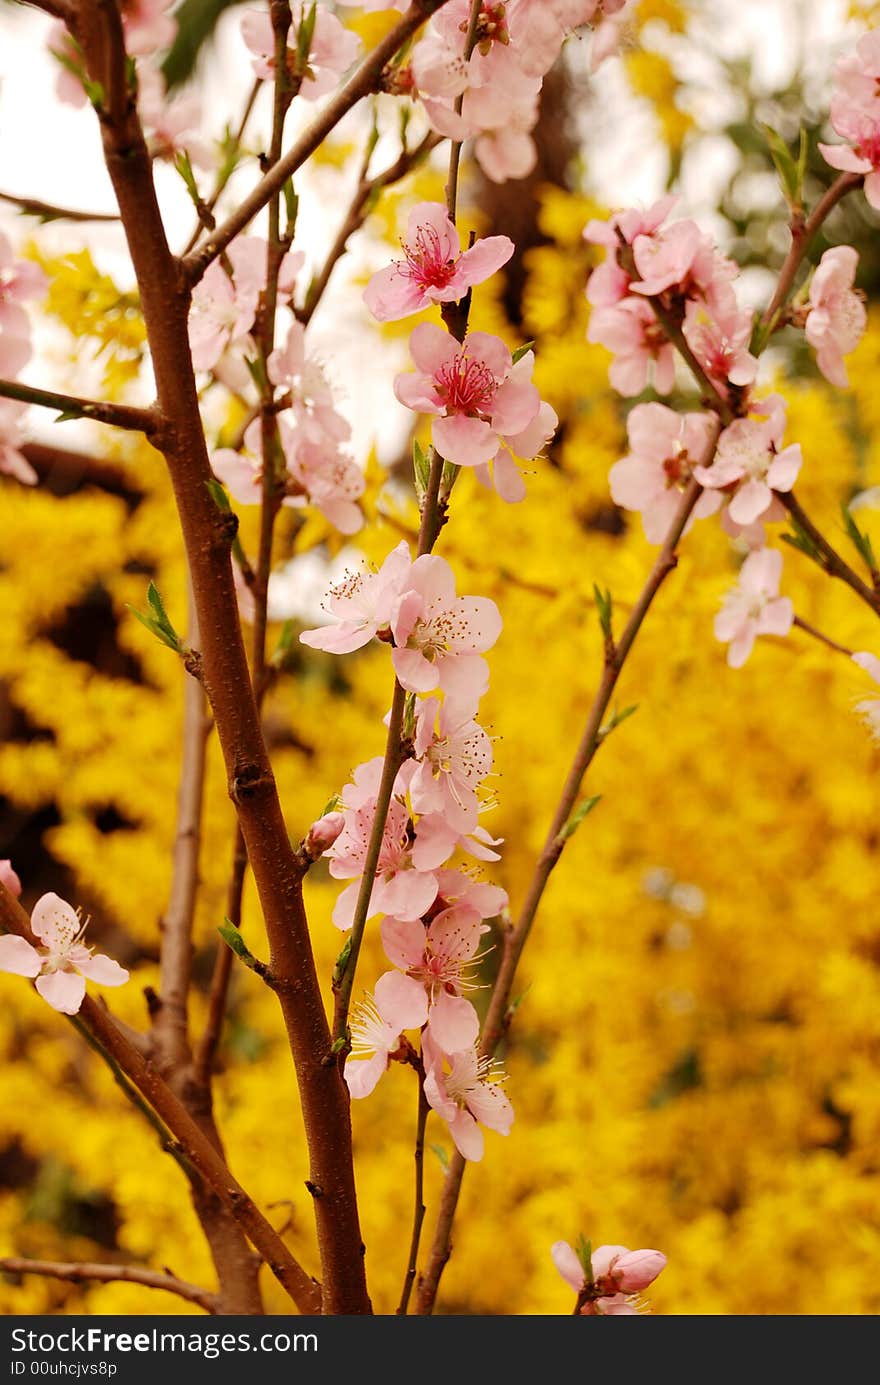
<point>208,536</point>
<point>47,211</point>
<point>364,80</point>
<point>108,1274</point>
<point>802,234</point>
<point>71,406</point>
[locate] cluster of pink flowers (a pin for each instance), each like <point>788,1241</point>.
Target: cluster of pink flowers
<point>20,280</point>
<point>486,412</point>
<point>312,432</point>
<point>433,913</point>
<point>62,962</point>
<point>681,266</point>
<point>855,115</point>
<point>499,85</point>
<point>615,1280</point>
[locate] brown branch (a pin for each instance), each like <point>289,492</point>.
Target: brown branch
<point>186,1137</point>
<point>207,536</point>
<point>823,639</point>
<point>420,1209</point>
<point>109,1274</point>
<point>47,211</point>
<point>365,79</point>
<point>828,558</point>
<point>206,209</point>
<point>71,406</point>
<point>802,234</point>
<point>497,1016</point>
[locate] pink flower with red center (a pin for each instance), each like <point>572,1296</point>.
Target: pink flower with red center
<point>837,317</point>
<point>477,395</point>
<point>434,964</point>
<point>439,637</point>
<point>609,282</point>
<point>855,115</point>
<point>615,1276</point>
<point>333,48</point>
<point>750,463</point>
<point>12,460</point>
<point>361,605</point>
<point>720,341</point>
<point>457,888</point>
<point>8,878</point>
<point>665,448</point>
<point>373,1040</point>
<point>453,756</point>
<point>466,1090</point>
<point>631,331</point>
<point>754,606</point>
<point>63,962</point>
<point>434,269</point>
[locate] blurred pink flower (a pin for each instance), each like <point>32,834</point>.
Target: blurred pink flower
<point>9,879</point>
<point>837,318</point>
<point>754,607</point>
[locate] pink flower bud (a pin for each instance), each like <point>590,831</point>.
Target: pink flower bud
<point>323,833</point>
<point>9,878</point>
<point>637,1269</point>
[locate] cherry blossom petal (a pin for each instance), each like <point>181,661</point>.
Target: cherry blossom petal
<point>568,1265</point>
<point>102,970</point>
<point>55,922</point>
<point>454,1023</point>
<point>63,990</point>
<point>19,957</point>
<point>463,440</point>
<point>401,1000</point>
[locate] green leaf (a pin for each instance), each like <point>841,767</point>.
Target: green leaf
<point>421,470</point>
<point>284,645</point>
<point>522,351</point>
<point>616,719</point>
<point>304,38</point>
<point>788,168</point>
<point>331,805</point>
<point>860,542</point>
<point>584,1252</point>
<point>577,817</point>
<point>341,964</point>
<point>219,495</point>
<point>157,621</point>
<point>800,540</point>
<point>604,606</point>
<point>184,168</point>
<point>196,22</point>
<point>441,1155</point>
<point>233,939</point>
<point>291,207</point>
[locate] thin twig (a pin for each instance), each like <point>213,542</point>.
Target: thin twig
<point>109,1274</point>
<point>71,406</point>
<point>823,639</point>
<point>829,559</point>
<point>47,211</point>
<point>205,219</point>
<point>802,234</point>
<point>419,1209</point>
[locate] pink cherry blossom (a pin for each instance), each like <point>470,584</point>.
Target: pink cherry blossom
<point>475,392</point>
<point>440,638</point>
<point>373,1040</point>
<point>630,329</point>
<point>406,882</point>
<point>171,124</point>
<point>857,75</point>
<point>466,1090</point>
<point>9,879</point>
<point>314,414</point>
<point>720,341</point>
<point>148,25</point>
<point>63,963</point>
<point>68,87</point>
<point>665,448</point>
<point>19,281</point>
<point>749,458</point>
<point>361,605</point>
<point>12,460</point>
<point>869,708</point>
<point>609,282</point>
<point>855,115</point>
<point>454,887</point>
<point>453,755</point>
<point>503,471</point>
<point>616,1274</point>
<point>224,307</point>
<point>333,49</point>
<point>538,29</point>
<point>837,317</point>
<point>434,965</point>
<point>434,269</point>
<point>754,607</point>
